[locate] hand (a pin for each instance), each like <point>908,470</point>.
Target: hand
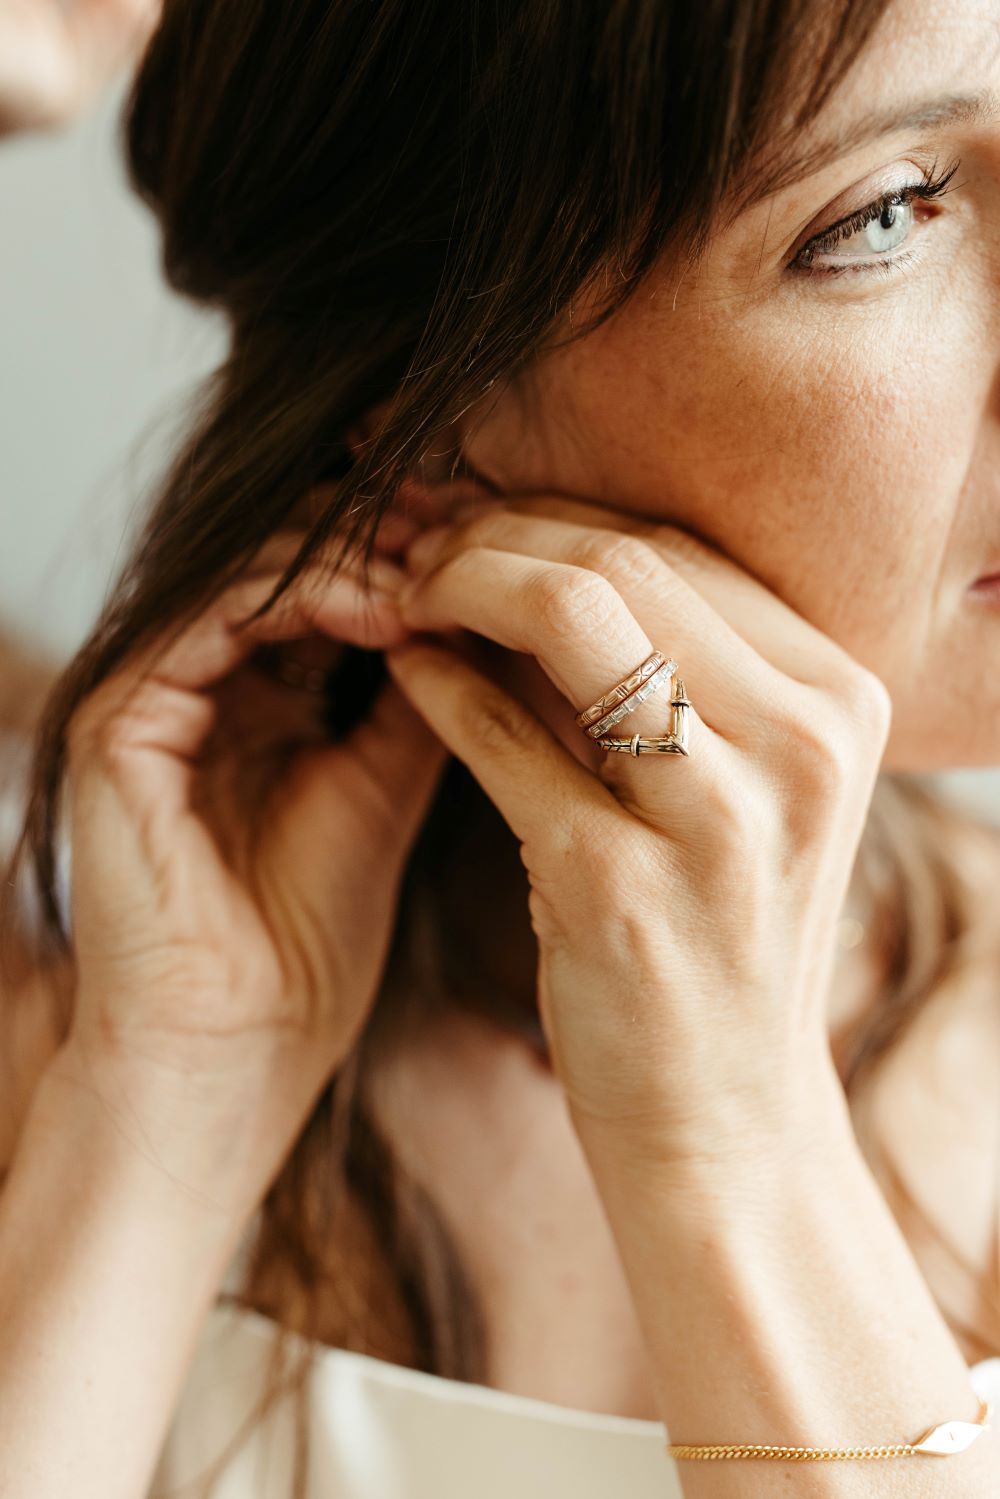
<point>685,908</point>
<point>55,58</point>
<point>234,872</point>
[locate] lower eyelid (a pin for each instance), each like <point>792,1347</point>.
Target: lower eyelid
<point>887,266</point>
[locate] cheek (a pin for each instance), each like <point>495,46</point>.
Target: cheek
<point>818,464</point>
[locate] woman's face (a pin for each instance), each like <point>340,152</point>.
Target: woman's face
<point>831,421</point>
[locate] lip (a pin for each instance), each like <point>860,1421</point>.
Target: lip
<point>988,582</point>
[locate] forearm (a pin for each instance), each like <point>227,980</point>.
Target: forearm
<point>110,1257</point>
<point>781,1305</point>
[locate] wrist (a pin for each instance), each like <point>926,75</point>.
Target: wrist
<point>155,1133</point>
<point>801,1125</point>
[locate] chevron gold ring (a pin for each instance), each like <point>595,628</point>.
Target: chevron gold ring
<point>674,742</point>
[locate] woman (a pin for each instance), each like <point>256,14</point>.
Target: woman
<point>540,1087</point>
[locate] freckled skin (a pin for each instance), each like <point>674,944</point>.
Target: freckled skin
<point>837,436</point>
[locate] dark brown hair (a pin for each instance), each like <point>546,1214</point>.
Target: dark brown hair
<point>394,203</point>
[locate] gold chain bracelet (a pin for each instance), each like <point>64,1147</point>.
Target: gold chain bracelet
<point>939,1441</point>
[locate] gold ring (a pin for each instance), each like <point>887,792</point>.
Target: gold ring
<point>675,742</point>
<point>660,678</point>
<point>621,690</point>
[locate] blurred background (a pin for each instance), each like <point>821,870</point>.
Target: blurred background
<point>98,366</point>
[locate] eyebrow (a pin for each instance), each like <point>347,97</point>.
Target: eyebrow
<point>954,109</point>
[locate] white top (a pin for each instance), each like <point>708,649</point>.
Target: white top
<point>380,1431</point>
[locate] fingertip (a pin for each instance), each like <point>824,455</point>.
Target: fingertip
<point>369,619</point>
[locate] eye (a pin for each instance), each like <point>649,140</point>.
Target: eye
<point>870,238</point>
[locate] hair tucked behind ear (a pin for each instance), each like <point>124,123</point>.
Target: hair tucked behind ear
<point>394,204</point>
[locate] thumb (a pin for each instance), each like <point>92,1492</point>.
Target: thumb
<point>366,797</point>
<point>399,758</point>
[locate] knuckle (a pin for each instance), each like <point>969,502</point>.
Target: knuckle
<point>620,557</point>
<point>868,700</point>
<point>816,768</point>
<point>102,728</point>
<point>821,752</point>
<point>108,744</point>
<point>831,730</point>
<point>854,692</point>
<point>567,599</point>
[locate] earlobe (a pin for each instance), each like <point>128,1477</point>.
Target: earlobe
<point>443,476</point>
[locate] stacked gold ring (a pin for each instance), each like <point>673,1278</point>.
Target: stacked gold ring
<point>648,677</point>
<point>621,691</point>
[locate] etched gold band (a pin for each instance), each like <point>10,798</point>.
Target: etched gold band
<point>622,690</point>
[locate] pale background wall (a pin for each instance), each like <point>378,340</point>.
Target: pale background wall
<point>96,362</point>
<point>96,358</point>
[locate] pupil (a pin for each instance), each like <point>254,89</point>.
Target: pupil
<point>888,216</point>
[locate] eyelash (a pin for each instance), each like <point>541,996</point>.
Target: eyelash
<point>929,188</point>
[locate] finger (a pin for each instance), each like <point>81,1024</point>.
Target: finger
<point>586,642</point>
<point>583,632</point>
<point>619,546</point>
<point>289,686</point>
<point>540,790</point>
<point>316,604</point>
<point>586,639</point>
<point>158,700</point>
<point>385,770</point>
